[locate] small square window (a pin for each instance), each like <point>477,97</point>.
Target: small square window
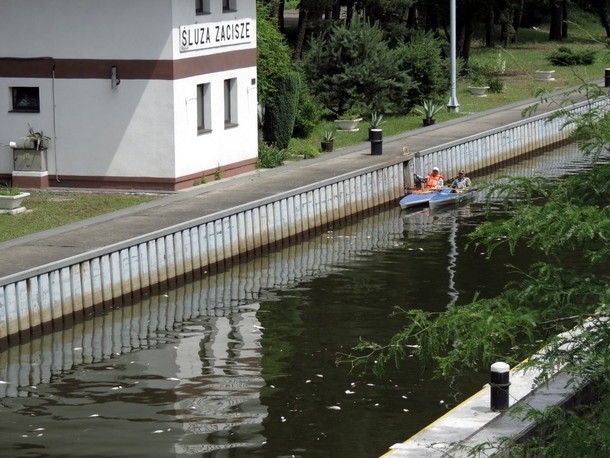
<point>25,99</point>
<point>229,5</point>
<point>202,7</point>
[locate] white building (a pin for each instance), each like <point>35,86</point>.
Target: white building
<point>135,94</point>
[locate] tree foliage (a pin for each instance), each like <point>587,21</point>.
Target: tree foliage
<point>273,53</point>
<point>353,66</point>
<point>561,304</point>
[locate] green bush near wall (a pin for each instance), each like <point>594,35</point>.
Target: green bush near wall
<point>280,111</point>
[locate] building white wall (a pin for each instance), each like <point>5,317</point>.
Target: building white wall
<point>143,127</point>
<point>222,145</point>
<point>87,29</point>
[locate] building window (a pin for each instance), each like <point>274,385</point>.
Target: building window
<point>230,102</point>
<point>229,5</point>
<point>202,7</point>
<point>25,99</point>
<point>204,110</point>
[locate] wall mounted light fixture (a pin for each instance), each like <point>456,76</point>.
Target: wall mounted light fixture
<point>114,77</point>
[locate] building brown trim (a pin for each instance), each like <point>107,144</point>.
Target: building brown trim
<point>49,67</point>
<point>151,183</point>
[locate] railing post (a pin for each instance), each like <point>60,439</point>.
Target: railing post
<point>500,375</point>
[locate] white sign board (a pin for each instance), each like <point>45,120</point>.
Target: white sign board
<point>196,37</point>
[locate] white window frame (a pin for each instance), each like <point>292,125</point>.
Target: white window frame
<point>230,102</point>
<point>204,109</point>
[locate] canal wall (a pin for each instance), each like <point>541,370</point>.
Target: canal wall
<point>56,293</point>
<point>482,152</point>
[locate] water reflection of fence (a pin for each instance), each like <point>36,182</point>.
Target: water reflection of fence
<point>145,323</point>
<point>225,295</point>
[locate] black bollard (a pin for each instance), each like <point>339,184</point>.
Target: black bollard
<point>607,77</point>
<point>500,375</point>
<point>376,139</point>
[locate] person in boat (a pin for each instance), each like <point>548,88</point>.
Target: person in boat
<point>435,180</point>
<point>461,181</point>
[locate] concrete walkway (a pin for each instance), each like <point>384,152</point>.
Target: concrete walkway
<point>32,251</point>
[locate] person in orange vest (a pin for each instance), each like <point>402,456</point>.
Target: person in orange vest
<point>435,179</point>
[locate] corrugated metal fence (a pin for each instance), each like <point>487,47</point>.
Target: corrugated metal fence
<point>65,290</point>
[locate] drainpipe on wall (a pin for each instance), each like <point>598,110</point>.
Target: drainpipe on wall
<point>54,124</point>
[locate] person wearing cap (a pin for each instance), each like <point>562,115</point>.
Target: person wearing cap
<point>461,181</point>
<point>435,180</point>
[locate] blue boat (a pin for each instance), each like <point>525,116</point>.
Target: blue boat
<point>450,196</point>
<point>417,196</point>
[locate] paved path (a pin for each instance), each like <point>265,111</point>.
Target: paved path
<point>35,250</point>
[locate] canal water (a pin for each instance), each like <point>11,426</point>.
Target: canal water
<point>243,362</point>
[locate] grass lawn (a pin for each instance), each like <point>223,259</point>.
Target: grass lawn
<point>522,59</point>
<point>46,210</point>
<point>51,209</point>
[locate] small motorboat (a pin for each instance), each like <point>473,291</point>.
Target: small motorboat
<point>417,196</point>
<point>450,196</point>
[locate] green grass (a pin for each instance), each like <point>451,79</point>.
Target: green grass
<point>46,210</point>
<point>522,60</point>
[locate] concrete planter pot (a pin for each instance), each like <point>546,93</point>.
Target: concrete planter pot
<point>12,204</point>
<point>545,75</point>
<point>478,91</point>
<point>30,160</point>
<point>349,125</point>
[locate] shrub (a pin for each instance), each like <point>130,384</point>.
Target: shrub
<point>421,60</point>
<point>270,156</point>
<point>306,151</point>
<point>487,72</point>
<point>565,57</point>
<point>496,86</point>
<point>352,65</point>
<point>308,113</point>
<point>280,111</point>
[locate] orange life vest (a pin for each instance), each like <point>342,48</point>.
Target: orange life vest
<point>432,181</point>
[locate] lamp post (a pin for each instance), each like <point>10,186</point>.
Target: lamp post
<point>453,106</point>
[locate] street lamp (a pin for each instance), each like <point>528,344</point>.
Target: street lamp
<point>453,106</point>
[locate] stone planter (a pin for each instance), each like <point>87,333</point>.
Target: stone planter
<point>478,91</point>
<point>349,125</point>
<point>12,204</point>
<point>30,160</point>
<point>545,75</point>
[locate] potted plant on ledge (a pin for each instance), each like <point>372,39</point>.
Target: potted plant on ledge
<point>428,110</point>
<point>376,133</point>
<point>328,141</point>
<point>32,156</point>
<point>479,82</point>
<point>348,119</point>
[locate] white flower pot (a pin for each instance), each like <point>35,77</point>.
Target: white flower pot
<point>12,204</point>
<point>350,125</point>
<point>545,75</point>
<point>478,91</point>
